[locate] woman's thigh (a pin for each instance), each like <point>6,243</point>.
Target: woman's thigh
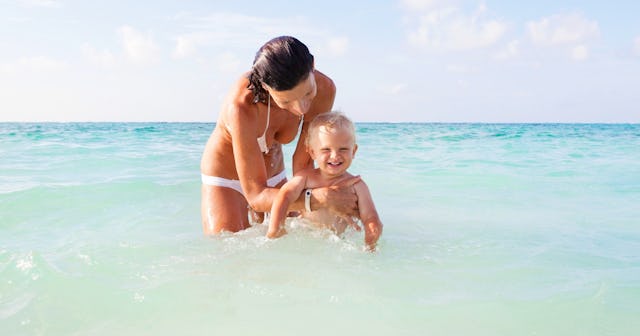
<point>223,209</point>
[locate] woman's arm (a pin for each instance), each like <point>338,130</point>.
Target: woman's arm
<point>287,194</point>
<point>242,124</point>
<point>340,198</point>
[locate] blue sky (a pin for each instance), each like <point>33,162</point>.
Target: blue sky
<point>395,60</point>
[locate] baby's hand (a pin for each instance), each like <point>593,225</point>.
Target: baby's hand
<point>273,234</point>
<point>353,222</point>
<point>373,230</point>
<point>370,248</point>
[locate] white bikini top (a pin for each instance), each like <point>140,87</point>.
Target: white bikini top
<point>262,141</point>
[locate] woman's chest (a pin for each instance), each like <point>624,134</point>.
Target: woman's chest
<point>283,127</point>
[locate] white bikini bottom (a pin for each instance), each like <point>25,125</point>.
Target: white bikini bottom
<point>235,184</point>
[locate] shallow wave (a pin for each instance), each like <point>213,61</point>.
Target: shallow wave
<point>527,221</point>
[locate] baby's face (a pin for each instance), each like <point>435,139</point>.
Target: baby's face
<point>333,150</point>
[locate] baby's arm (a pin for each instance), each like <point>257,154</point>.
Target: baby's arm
<point>287,194</point>
<point>368,216</point>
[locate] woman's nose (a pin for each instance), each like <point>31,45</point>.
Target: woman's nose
<point>301,106</point>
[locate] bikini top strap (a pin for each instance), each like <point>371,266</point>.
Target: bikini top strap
<point>300,125</point>
<point>262,141</point>
<point>268,116</point>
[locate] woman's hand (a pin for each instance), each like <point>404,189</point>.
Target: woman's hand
<point>340,198</point>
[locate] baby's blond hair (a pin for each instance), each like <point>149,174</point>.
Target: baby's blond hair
<point>331,121</point>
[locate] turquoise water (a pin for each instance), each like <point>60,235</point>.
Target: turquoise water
<point>520,229</point>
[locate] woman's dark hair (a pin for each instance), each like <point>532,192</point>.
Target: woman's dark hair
<point>281,64</point>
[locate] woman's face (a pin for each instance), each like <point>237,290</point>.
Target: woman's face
<point>297,100</point>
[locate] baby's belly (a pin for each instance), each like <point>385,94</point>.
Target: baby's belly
<point>325,219</point>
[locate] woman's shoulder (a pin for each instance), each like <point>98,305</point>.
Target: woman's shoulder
<point>238,104</point>
<point>325,96</point>
<point>324,83</point>
<point>240,92</point>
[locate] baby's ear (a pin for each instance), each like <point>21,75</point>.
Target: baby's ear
<point>355,149</point>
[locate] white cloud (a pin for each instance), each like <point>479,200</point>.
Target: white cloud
<point>447,28</point>
<point>571,31</point>
<point>228,62</point>
<point>510,51</point>
<point>461,83</point>
<point>219,31</point>
<point>579,53</point>
<point>226,29</point>
<point>393,89</point>
<point>460,69</point>
<point>423,4</point>
<point>338,46</point>
<point>138,47</point>
<point>6,68</point>
<point>102,58</point>
<point>562,30</point>
<point>185,47</point>
<point>41,3</point>
<point>224,20</point>
<point>636,46</point>
<point>34,64</point>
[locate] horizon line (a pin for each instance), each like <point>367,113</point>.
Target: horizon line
<point>357,122</point>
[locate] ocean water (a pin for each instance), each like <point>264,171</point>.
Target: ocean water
<point>490,229</point>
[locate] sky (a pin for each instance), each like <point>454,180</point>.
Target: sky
<point>392,61</point>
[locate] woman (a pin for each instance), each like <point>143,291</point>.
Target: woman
<point>242,165</point>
